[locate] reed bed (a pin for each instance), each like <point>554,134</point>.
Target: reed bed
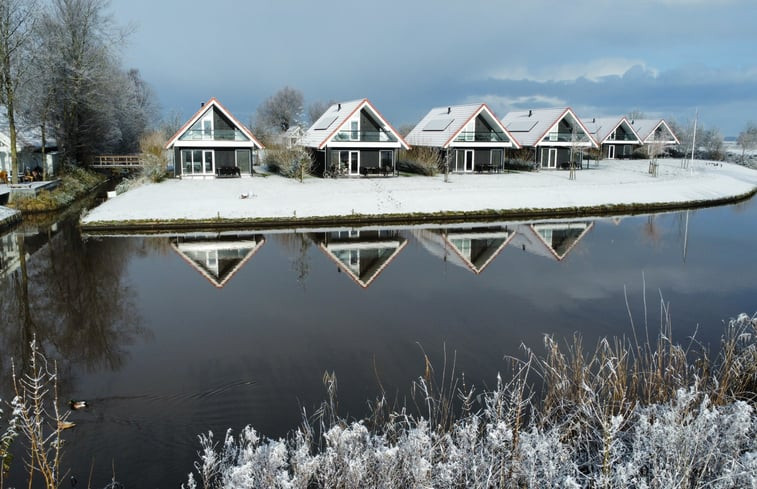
<point>639,412</point>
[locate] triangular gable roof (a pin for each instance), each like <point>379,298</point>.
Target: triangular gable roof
<point>602,128</point>
<point>530,239</point>
<point>239,252</point>
<point>530,127</point>
<point>364,278</point>
<point>442,125</point>
<point>492,242</point>
<point>210,105</point>
<point>646,128</point>
<point>336,116</point>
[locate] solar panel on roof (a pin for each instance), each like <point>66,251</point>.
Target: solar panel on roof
<point>325,123</point>
<point>438,124</point>
<point>521,126</point>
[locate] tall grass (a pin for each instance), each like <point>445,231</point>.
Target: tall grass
<point>423,160</point>
<point>640,412</point>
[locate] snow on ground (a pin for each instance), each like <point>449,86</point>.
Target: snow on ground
<point>6,213</point>
<point>610,183</point>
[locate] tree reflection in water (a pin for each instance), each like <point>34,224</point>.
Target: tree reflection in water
<point>71,295</point>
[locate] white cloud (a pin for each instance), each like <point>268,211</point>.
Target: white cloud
<point>502,104</point>
<point>592,70</point>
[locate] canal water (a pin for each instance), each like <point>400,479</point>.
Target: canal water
<point>168,336</point>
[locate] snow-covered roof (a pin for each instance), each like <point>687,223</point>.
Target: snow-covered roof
<point>442,125</point>
<point>646,129</point>
<point>331,122</point>
<point>204,108</point>
<point>531,127</point>
<point>602,128</point>
<point>27,135</point>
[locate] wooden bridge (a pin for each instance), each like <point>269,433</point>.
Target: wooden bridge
<point>117,161</point>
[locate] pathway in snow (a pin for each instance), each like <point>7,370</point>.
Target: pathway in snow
<point>274,197</point>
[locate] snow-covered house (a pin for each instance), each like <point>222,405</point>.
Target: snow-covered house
<point>218,260</point>
<point>362,255</point>
<point>353,138</point>
<point>471,132</point>
<point>616,136</point>
<point>654,132</point>
<point>213,142</point>
<point>473,248</point>
<point>554,240</point>
<point>291,137</point>
<point>28,147</point>
<point>556,135</point>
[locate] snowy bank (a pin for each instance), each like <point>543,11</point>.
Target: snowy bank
<point>610,186</point>
<point>8,216</point>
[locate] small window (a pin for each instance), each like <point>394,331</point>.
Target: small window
<point>387,159</point>
<point>355,130</point>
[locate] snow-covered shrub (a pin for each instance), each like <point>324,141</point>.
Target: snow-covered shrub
<point>595,424</point>
<point>421,160</point>
<point>517,164</point>
<point>292,162</point>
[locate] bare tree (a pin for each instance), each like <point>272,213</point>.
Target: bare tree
<point>83,41</point>
<point>16,27</point>
<point>317,108</point>
<point>281,111</point>
<point>747,139</point>
<point>636,114</point>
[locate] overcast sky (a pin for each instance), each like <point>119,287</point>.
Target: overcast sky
<point>601,57</point>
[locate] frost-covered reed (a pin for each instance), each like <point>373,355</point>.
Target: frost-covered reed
<point>627,414</point>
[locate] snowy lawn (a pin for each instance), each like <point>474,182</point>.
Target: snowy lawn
<point>273,197</point>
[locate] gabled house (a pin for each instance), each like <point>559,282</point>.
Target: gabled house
<point>353,138</point>
<point>291,137</point>
<point>470,248</point>
<point>616,136</point>
<point>362,255</point>
<point>557,135</point>
<point>473,135</point>
<point>28,147</point>
<point>213,143</point>
<point>554,240</point>
<point>218,260</point>
<point>654,133</point>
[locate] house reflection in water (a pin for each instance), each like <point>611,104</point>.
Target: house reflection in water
<point>361,254</point>
<point>550,239</point>
<point>218,259</point>
<point>471,248</point>
<point>27,239</point>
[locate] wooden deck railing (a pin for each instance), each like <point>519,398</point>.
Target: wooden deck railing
<point>117,161</point>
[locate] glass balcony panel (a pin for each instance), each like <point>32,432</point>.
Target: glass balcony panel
<point>482,137</point>
<point>217,135</point>
<point>364,137</point>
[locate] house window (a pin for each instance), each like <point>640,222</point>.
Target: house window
<point>496,157</point>
<point>207,128</point>
<point>470,132</point>
<point>354,130</point>
<point>386,157</point>
<point>197,161</point>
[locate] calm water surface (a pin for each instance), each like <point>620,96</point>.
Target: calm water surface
<point>171,336</point>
